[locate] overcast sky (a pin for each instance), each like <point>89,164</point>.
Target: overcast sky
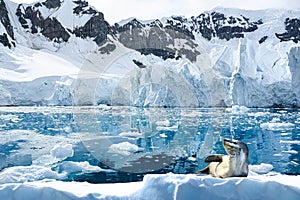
<point>117,10</point>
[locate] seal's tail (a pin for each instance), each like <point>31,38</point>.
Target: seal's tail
<point>203,171</point>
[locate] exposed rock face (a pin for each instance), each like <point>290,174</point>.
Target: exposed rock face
<point>292,27</point>
<point>53,30</point>
<point>80,9</point>
<point>31,18</point>
<point>5,19</point>
<point>159,40</point>
<point>4,40</point>
<point>294,64</point>
<point>217,25</point>
<point>96,28</point>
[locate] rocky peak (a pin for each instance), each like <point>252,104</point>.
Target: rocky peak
<point>179,24</point>
<point>96,27</point>
<point>83,8</point>
<point>5,22</point>
<point>52,3</point>
<point>132,24</point>
<point>31,18</point>
<point>156,23</point>
<point>37,18</point>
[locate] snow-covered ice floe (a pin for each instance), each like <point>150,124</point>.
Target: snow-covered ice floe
<point>261,183</point>
<point>168,186</point>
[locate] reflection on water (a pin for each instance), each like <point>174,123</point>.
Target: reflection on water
<point>134,141</point>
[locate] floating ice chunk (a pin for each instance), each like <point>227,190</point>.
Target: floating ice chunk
<point>285,134</point>
<point>290,152</point>
<point>277,125</point>
<point>192,159</point>
<point>163,135</point>
<point>262,168</point>
<point>238,109</point>
<point>290,142</point>
<point>131,134</point>
<point>124,148</point>
<point>67,129</point>
<point>20,174</point>
<point>104,107</point>
<point>62,151</point>
<point>163,123</point>
<point>82,167</point>
<point>167,128</point>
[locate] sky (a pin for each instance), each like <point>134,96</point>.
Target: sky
<point>117,10</point>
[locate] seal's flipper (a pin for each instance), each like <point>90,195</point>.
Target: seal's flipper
<point>214,158</point>
<point>203,171</point>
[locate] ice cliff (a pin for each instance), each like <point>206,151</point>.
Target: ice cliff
<point>65,53</point>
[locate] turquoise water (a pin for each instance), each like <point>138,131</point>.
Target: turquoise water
<point>135,141</point>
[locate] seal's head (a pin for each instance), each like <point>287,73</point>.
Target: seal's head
<point>235,148</point>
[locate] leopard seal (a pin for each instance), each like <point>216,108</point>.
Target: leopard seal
<point>232,165</point>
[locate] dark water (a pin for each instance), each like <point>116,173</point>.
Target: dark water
<point>135,141</point>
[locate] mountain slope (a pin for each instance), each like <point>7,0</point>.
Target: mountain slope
<point>222,57</point>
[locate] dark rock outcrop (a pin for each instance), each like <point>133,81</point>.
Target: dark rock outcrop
<point>4,19</point>
<point>4,40</point>
<point>52,4</point>
<point>292,33</point>
<point>107,48</point>
<point>96,28</point>
<point>139,64</point>
<point>263,39</point>
<point>215,25</point>
<point>52,29</point>
<point>31,18</point>
<point>82,8</point>
<point>157,39</point>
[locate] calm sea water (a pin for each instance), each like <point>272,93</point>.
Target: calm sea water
<point>128,142</point>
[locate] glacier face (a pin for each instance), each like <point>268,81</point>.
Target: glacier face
<point>65,53</point>
<point>294,63</point>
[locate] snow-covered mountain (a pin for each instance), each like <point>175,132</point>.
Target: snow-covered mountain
<point>63,52</point>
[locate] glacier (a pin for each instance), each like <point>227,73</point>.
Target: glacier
<point>221,58</point>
